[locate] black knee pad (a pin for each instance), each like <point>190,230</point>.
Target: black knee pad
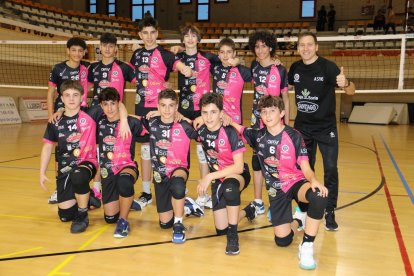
<point>167,225</point>
<point>68,214</point>
<point>285,241</point>
<point>111,219</point>
<point>231,191</point>
<point>125,185</point>
<point>222,232</point>
<point>317,204</point>
<point>177,187</point>
<point>255,162</point>
<point>303,206</point>
<point>80,178</point>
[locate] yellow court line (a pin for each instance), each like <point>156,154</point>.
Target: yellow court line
<point>20,252</point>
<point>55,271</point>
<point>26,217</point>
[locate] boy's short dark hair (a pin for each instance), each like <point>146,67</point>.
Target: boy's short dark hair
<point>190,28</point>
<point>147,22</point>
<point>71,84</point>
<point>212,98</point>
<point>266,37</point>
<point>271,101</point>
<point>168,94</point>
<point>108,38</point>
<point>76,41</point>
<point>227,42</point>
<point>109,94</point>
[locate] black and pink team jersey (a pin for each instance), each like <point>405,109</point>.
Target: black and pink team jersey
<point>271,80</point>
<point>152,71</point>
<point>113,75</point>
<point>219,146</point>
<point>115,153</point>
<point>169,146</point>
<point>229,82</point>
<point>280,156</point>
<point>76,141</point>
<point>62,72</point>
<point>193,88</point>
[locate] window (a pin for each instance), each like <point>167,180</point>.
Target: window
<point>111,10</point>
<point>184,1</point>
<point>142,7</point>
<point>92,6</point>
<point>203,10</point>
<point>221,1</point>
<point>307,8</point>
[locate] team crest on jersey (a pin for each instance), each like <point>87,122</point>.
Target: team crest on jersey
<point>232,75</point>
<point>154,59</point>
<point>285,148</point>
<point>272,78</point>
<point>82,121</point>
<point>296,78</point>
<point>83,74</point>
<point>202,62</point>
<point>109,140</point>
<point>221,142</point>
<point>176,132</point>
<point>115,73</point>
<point>74,137</point>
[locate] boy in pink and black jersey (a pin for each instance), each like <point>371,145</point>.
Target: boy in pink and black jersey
<point>170,149</point>
<point>152,65</point>
<point>228,176</point>
<point>284,162</point>
<point>75,136</point>
<point>118,169</point>
<point>109,72</point>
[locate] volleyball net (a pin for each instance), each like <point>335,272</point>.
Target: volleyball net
<point>376,63</point>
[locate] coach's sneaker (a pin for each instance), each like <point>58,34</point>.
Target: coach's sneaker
<point>80,222</point>
<point>97,193</point>
<point>269,215</point>
<point>232,247</point>
<point>178,233</point>
<point>94,202</point>
<point>135,205</point>
<point>144,199</point>
<point>250,210</point>
<point>192,208</point>
<point>306,256</point>
<point>53,198</point>
<point>330,223</point>
<point>122,228</point>
<point>301,216</point>
<point>260,208</point>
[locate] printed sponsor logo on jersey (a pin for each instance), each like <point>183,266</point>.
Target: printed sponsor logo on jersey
<point>307,107</point>
<point>272,161</point>
<point>105,69</point>
<point>272,192</point>
<point>143,68</point>
<point>212,153</point>
<point>306,95</point>
<point>296,78</point>
<point>61,135</point>
<point>263,72</point>
<point>318,79</point>
<point>261,89</point>
<point>211,136</point>
<point>109,140</point>
<point>74,137</point>
<point>273,142</point>
<point>285,148</point>
<point>104,83</point>
<point>163,144</point>
<point>240,143</point>
<point>303,151</point>
<point>222,84</point>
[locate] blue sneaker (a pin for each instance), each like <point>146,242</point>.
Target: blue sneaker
<point>135,205</point>
<point>192,208</point>
<point>178,233</point>
<point>260,208</point>
<point>122,229</point>
<point>300,216</point>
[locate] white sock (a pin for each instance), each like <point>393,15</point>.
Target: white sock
<point>146,187</point>
<point>180,220</point>
<point>97,185</point>
<point>258,201</point>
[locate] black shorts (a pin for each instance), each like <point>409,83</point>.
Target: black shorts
<point>281,203</point>
<point>163,194</point>
<point>64,186</point>
<point>189,114</point>
<point>143,139</point>
<point>110,190</point>
<point>217,191</point>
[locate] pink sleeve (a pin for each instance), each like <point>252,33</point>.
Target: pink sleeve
<point>48,141</point>
<point>52,84</point>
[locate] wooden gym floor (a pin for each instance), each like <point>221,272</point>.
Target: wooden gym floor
<point>375,216</point>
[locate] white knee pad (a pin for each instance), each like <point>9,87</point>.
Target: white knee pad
<point>145,152</point>
<point>201,156</point>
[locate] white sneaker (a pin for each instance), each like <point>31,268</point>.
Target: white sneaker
<point>204,201</point>
<point>300,216</point>
<point>53,198</point>
<point>306,256</point>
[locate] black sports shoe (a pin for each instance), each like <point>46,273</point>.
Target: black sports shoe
<point>330,223</point>
<point>144,199</point>
<point>94,202</point>
<point>178,233</point>
<point>79,223</point>
<point>232,247</point>
<point>250,210</point>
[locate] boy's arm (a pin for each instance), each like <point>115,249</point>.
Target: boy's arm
<point>184,69</point>
<point>50,100</point>
<point>285,97</point>
<point>123,120</point>
<point>44,162</point>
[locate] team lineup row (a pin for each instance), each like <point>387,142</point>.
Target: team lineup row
<point>314,78</point>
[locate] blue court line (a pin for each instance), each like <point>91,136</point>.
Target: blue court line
<point>400,174</point>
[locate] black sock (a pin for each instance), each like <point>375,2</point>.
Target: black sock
<point>233,228</point>
<point>82,210</point>
<point>299,222</point>
<point>308,238</point>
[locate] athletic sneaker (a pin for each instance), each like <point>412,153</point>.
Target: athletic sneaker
<point>178,233</point>
<point>144,199</point>
<point>232,247</point>
<point>300,216</point>
<point>97,193</point>
<point>192,208</point>
<point>53,198</point>
<point>250,210</point>
<point>135,205</point>
<point>306,256</point>
<point>79,223</point>
<point>122,228</point>
<point>260,208</point>
<point>205,201</point>
<point>269,215</point>
<point>94,202</point>
<point>330,223</point>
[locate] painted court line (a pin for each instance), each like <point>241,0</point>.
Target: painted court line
<point>21,252</point>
